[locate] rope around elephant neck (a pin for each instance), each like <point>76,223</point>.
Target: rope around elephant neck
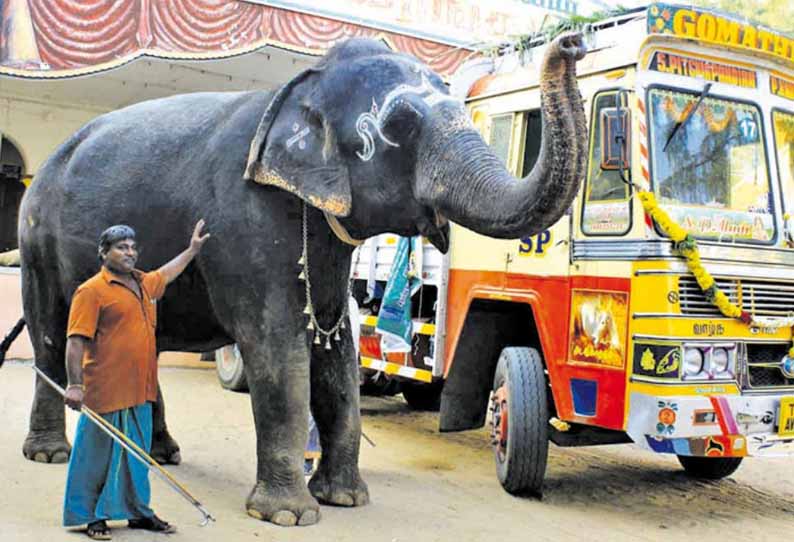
<point>313,324</point>
<point>340,231</point>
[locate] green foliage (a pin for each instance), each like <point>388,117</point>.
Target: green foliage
<point>573,23</point>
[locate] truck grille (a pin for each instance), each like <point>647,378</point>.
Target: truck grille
<point>763,366</point>
<point>758,297</point>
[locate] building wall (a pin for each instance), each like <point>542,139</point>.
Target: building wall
<point>36,128</point>
<point>11,311</point>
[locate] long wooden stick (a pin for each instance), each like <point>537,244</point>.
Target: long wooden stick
<point>134,450</point>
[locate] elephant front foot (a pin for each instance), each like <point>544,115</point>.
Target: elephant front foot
<point>165,449</point>
<point>340,490</point>
<point>46,447</point>
<point>285,507</point>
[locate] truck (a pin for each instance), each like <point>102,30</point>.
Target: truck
<point>658,311</point>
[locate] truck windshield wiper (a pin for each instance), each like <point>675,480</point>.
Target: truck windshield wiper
<point>682,122</point>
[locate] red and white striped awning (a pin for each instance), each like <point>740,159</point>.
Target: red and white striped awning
<point>46,39</point>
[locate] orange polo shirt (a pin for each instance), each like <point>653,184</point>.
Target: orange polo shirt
<point>120,361</point>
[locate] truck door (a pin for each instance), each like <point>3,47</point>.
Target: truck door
<point>592,383</point>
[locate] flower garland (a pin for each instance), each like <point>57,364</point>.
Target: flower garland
<point>686,245</point>
<point>710,116</point>
<point>716,125</point>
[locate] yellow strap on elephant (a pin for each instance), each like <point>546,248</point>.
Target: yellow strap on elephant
<point>340,231</point>
<point>686,245</point>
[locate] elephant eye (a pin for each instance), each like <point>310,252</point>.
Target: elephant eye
<point>312,117</point>
<point>401,125</point>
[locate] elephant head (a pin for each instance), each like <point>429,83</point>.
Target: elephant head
<point>372,137</point>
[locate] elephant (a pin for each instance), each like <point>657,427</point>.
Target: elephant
<point>366,141</point>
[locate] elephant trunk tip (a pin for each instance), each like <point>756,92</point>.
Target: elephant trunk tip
<point>570,46</point>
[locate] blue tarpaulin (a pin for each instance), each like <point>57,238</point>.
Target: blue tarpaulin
<point>405,278</point>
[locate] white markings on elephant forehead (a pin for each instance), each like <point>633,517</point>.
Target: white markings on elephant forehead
<point>299,137</point>
<point>374,119</point>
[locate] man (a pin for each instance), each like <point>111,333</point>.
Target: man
<point>111,365</point>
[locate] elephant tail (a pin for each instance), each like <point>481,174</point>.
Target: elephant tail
<point>13,334</point>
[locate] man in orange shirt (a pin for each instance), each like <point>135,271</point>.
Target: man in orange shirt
<point>111,364</point>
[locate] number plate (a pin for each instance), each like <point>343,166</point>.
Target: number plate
<point>786,420</point>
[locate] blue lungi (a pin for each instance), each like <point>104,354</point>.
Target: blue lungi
<point>103,481</point>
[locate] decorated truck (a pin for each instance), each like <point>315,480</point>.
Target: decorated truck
<point>659,310</point>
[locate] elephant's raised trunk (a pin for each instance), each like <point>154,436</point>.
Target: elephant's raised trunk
<point>460,176</point>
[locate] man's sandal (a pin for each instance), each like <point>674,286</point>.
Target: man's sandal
<point>98,530</point>
<point>152,524</point>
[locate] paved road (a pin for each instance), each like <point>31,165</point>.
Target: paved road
<point>424,486</point>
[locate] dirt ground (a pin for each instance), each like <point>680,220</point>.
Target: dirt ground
<point>424,486</point>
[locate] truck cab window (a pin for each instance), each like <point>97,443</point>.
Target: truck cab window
<point>606,208</point>
<point>784,148</point>
<point>712,178</point>
<point>532,140</point>
<point>501,128</point>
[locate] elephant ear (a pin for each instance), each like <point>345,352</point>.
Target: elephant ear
<point>295,149</point>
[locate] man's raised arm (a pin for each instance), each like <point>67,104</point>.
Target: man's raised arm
<point>174,268</point>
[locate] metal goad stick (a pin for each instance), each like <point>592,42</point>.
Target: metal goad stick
<point>134,450</point>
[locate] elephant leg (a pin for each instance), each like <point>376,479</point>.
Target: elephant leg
<point>335,407</point>
<point>277,371</point>
<point>165,449</point>
<point>46,441</point>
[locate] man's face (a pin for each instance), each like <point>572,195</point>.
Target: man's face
<point>121,256</point>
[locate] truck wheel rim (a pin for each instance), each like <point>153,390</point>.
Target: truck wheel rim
<point>500,422</point>
<point>229,355</point>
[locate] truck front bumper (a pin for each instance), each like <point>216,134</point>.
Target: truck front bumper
<point>718,425</point>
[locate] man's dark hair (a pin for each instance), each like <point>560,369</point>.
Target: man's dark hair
<point>114,234</point>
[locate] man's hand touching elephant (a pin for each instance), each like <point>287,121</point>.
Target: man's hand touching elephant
<point>198,240</point>
<point>174,268</point>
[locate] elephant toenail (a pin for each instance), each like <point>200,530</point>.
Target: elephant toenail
<point>285,518</point>
<point>309,517</point>
<point>60,457</point>
<point>255,514</point>
<point>344,500</point>
<point>41,457</point>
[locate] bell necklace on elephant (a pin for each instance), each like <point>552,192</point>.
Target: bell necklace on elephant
<point>308,310</point>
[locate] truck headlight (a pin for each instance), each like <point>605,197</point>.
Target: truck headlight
<point>693,361</point>
<point>720,361</point>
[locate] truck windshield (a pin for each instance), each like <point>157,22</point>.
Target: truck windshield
<point>784,145</point>
<point>712,179</point>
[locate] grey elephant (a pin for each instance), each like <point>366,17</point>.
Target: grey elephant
<point>367,141</point>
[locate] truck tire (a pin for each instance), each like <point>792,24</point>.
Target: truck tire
<point>520,418</point>
<point>423,396</point>
<point>709,468</point>
<point>230,369</point>
<point>378,384</point>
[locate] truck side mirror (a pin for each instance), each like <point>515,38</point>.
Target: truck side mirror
<point>615,138</point>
